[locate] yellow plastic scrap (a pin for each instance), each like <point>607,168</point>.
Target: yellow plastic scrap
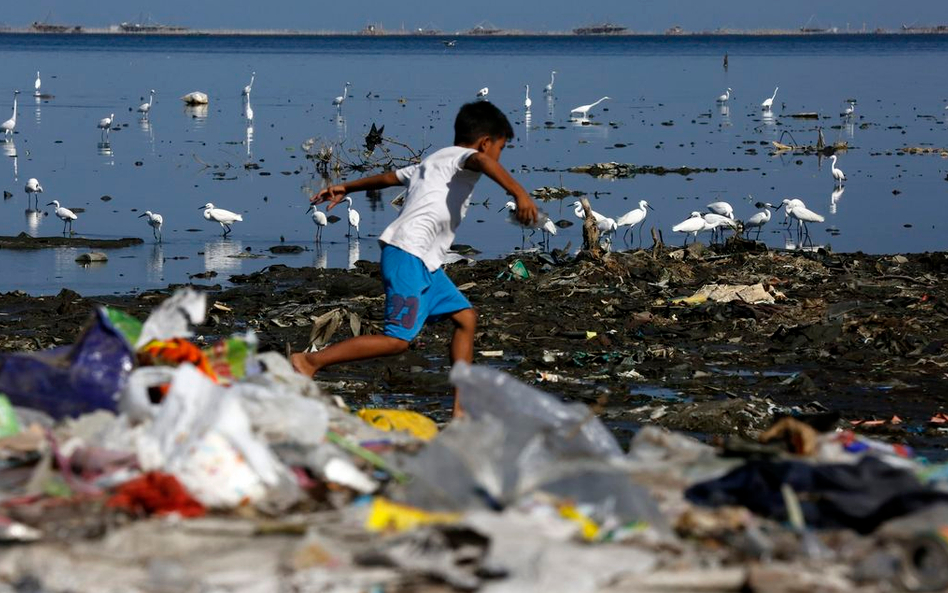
<point>386,515</point>
<point>414,423</point>
<point>691,300</point>
<point>588,527</point>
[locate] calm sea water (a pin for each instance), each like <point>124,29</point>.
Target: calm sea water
<point>662,112</point>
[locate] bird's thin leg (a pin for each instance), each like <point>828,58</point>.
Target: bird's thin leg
<point>757,238</point>
<point>625,235</point>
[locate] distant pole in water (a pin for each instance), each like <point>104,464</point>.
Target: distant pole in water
<point>725,61</point>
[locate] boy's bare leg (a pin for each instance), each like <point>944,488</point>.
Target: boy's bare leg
<point>462,345</point>
<point>358,348</point>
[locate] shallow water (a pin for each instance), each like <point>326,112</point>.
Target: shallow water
<point>662,111</point>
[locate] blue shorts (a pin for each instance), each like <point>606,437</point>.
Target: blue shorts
<point>413,295</point>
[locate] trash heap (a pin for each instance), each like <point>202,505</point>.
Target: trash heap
<point>134,460</point>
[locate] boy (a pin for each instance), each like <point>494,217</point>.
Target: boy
<point>414,246</point>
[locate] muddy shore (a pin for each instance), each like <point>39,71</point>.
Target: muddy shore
<point>861,335</point>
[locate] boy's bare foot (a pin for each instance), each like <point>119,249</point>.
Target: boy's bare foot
<point>302,365</point>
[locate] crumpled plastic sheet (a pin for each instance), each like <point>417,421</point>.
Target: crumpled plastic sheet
<point>174,316</point>
<point>202,435</point>
<point>518,440</point>
<point>70,380</point>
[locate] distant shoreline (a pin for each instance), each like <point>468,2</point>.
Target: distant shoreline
<point>69,30</point>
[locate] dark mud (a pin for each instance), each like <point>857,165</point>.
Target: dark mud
<point>25,241</point>
<point>862,335</point>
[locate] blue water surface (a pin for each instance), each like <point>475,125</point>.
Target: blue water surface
<point>662,112</point>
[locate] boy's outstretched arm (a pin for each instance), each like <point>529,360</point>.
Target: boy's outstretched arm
<point>526,208</point>
<point>335,193</point>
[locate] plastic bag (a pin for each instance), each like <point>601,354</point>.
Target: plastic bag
<point>173,317</point>
<point>202,435</point>
<point>71,380</point>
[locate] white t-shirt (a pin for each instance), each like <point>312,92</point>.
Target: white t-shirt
<point>439,192</point>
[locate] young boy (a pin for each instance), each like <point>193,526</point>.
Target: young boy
<point>414,246</point>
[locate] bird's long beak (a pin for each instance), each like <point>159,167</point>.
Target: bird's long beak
<point>649,206</point>
<point>142,215</point>
<point>201,208</point>
<point>502,209</point>
<point>50,204</point>
<point>311,207</point>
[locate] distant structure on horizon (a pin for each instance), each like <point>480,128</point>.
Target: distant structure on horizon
<point>484,28</point>
<point>601,29</point>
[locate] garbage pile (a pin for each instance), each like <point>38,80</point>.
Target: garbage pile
<point>134,460</point>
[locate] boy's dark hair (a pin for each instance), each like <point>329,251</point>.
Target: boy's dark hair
<point>478,119</point>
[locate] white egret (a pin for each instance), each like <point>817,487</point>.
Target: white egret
<point>543,222</point>
<point>338,101</point>
<point>482,94</point>
<point>527,102</point>
<point>838,174</point>
<point>581,214</point>
<point>726,96</point>
<point>249,87</point>
<point>583,110</point>
<point>634,217</point>
<point>758,220</point>
<point>768,103</point>
<point>849,110</point>
<point>105,124</point>
<point>144,108</point>
<point>722,208</point>
<point>320,220</point>
<point>802,214</point>
<point>787,204</point>
<point>224,217</point>
<point>32,188</point>
<point>154,221</point>
<point>607,230</point>
<point>196,98</point>
<point>713,222</point>
<point>37,85</point>
<point>10,125</point>
<point>548,89</point>
<point>354,218</point>
<point>693,224</point>
<point>64,214</point>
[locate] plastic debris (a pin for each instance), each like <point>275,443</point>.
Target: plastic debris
<point>400,420</point>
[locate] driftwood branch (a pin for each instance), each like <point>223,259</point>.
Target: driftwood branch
<point>590,232</point>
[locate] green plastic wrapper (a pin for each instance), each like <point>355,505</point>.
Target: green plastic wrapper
<point>9,424</point>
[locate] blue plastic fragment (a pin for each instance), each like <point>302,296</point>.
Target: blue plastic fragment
<point>70,380</point>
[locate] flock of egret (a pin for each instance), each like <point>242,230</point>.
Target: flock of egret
<point>719,217</point>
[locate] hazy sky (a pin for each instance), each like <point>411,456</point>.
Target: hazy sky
<point>451,15</point>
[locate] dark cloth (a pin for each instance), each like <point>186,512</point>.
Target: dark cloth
<point>860,496</point>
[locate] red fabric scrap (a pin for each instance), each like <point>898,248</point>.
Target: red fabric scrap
<point>156,493</point>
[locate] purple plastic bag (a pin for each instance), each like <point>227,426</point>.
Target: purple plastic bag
<point>70,380</point>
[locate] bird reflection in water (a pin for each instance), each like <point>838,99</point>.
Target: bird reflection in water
<point>834,198</point>
<point>217,255</point>
<point>9,150</point>
<point>320,257</point>
<point>353,254</point>
<point>33,220</point>
<point>105,149</point>
<point>156,264</point>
